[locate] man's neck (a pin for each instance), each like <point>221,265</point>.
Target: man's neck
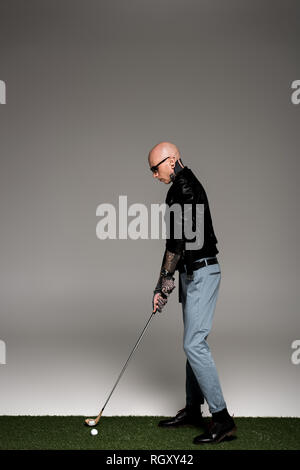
<point>177,169</point>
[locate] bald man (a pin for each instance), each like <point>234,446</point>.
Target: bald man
<point>199,282</point>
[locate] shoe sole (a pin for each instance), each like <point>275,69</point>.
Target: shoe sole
<point>228,433</point>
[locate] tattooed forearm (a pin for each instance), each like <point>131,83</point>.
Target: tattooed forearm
<point>170,261</point>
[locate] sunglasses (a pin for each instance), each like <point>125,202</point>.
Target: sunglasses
<point>154,168</point>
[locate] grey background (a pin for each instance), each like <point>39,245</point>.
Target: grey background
<point>91,87</point>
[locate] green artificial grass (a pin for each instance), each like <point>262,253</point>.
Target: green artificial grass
<point>141,432</point>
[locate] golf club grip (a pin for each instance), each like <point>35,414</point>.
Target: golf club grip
<point>125,365</point>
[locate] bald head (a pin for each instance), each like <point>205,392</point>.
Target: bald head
<point>165,169</point>
<point>163,150</point>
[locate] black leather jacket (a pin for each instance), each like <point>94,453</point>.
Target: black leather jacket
<point>187,189</point>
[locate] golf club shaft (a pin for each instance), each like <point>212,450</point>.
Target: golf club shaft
<point>126,363</point>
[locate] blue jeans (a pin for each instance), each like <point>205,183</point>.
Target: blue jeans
<point>199,297</point>
<point>194,395</point>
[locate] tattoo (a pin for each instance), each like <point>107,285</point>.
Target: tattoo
<point>170,261</point>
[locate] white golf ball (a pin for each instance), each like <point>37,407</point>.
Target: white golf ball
<point>94,432</point>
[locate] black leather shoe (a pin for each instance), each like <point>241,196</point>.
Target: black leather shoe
<point>217,432</point>
<point>183,418</point>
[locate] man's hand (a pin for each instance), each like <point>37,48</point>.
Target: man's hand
<point>158,302</point>
<point>161,293</point>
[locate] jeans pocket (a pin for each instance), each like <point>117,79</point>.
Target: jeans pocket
<point>218,272</point>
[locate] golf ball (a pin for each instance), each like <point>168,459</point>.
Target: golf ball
<point>94,432</point>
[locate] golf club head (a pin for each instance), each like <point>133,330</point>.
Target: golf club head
<point>93,421</point>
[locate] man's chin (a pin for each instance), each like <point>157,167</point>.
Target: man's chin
<point>164,181</point>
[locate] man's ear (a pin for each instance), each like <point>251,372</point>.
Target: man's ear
<point>172,161</point>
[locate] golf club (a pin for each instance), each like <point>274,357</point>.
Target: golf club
<point>95,421</point>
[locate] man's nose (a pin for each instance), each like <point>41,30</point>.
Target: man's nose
<point>155,174</point>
